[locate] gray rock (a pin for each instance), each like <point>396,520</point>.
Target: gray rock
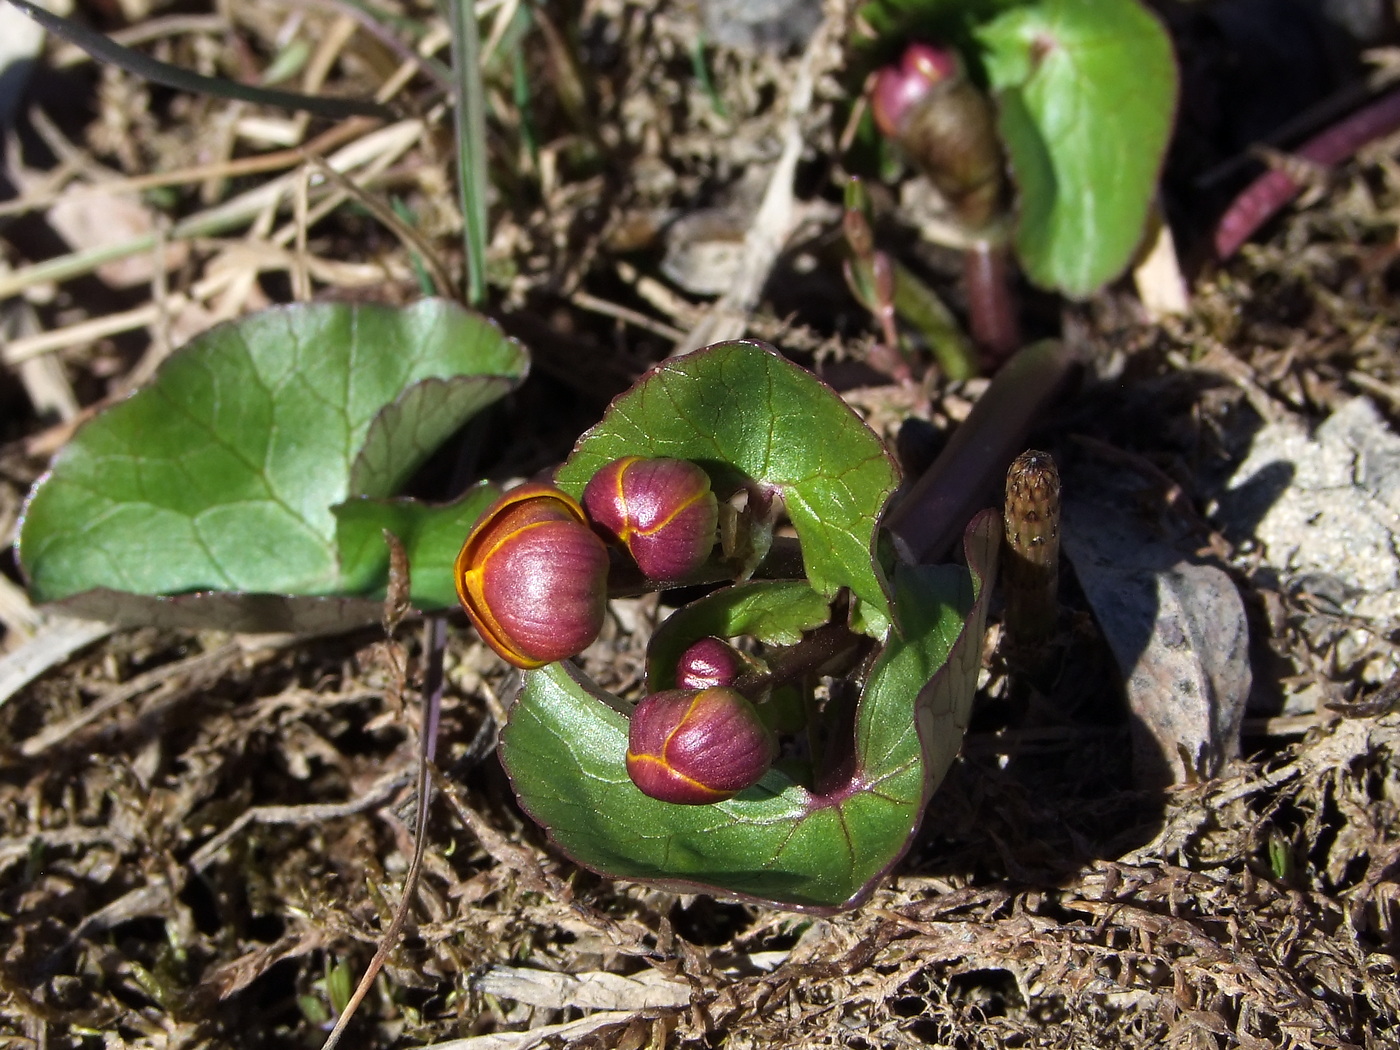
<point>1176,626</point>
<point>1324,509</point>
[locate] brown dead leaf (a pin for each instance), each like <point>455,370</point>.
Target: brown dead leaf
<point>94,219</point>
<point>234,976</point>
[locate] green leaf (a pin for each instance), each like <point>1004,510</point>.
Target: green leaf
<point>779,842</point>
<point>224,472</point>
<point>944,21</point>
<point>431,534</point>
<point>418,421</point>
<point>752,418</point>
<point>1087,90</point>
<point>776,612</point>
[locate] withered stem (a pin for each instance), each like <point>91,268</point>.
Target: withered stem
<point>1030,569</point>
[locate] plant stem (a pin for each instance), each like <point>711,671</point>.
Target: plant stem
<point>991,306</point>
<point>818,651</point>
<point>701,70</point>
<point>435,647</point>
<point>931,516</point>
<point>921,307</point>
<point>1266,195</point>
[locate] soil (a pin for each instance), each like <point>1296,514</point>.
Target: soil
<point>202,835</point>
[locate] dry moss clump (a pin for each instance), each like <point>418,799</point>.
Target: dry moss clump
<point>190,865</point>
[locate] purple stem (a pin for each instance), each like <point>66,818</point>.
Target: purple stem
<point>1267,195</point>
<point>991,307</point>
<point>819,651</point>
<point>931,516</point>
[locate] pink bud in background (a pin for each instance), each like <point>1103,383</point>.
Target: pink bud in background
<point>946,126</point>
<point>899,89</point>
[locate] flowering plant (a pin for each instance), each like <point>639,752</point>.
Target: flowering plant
<point>877,657</point>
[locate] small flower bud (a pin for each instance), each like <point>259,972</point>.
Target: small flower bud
<point>709,662</point>
<point>696,748</point>
<point>662,510</point>
<point>946,126</point>
<point>898,89</point>
<point>533,577</point>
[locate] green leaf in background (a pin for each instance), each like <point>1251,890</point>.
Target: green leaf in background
<point>776,612</point>
<point>751,417</point>
<point>943,21</point>
<point>431,534</point>
<point>416,422</point>
<point>227,471</point>
<point>1087,90</point>
<point>779,842</point>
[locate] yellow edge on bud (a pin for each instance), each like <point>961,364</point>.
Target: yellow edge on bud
<point>619,469</point>
<point>467,577</point>
<point>672,516</point>
<point>719,796</point>
<point>469,593</point>
<point>628,529</point>
<point>666,744</point>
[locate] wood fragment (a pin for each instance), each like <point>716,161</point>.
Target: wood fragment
<point>55,642</point>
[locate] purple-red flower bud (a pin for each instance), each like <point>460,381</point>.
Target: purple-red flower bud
<point>946,126</point>
<point>662,510</point>
<point>898,89</point>
<point>696,748</point>
<point>709,662</point>
<point>533,577</point>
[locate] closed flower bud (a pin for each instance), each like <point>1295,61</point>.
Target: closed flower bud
<point>696,748</point>
<point>946,126</point>
<point>662,510</point>
<point>710,661</point>
<point>898,89</point>
<point>533,577</point>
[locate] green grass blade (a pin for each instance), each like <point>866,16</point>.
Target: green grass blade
<point>471,142</point>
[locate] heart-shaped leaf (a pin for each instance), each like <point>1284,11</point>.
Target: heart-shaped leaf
<point>1087,91</point>
<point>779,842</point>
<point>231,471</point>
<point>755,420</point>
